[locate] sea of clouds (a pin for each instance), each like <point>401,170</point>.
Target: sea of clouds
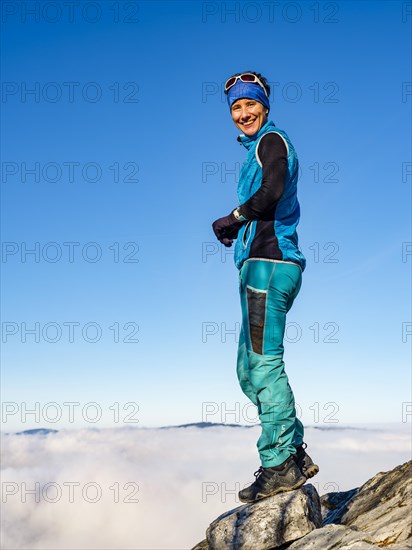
<point>159,488</point>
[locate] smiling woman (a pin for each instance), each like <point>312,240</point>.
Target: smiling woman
<point>249,114</point>
<point>270,267</point>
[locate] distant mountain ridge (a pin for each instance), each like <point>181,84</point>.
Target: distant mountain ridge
<point>37,431</point>
<point>47,431</point>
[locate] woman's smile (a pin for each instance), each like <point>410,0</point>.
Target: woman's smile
<point>248,115</point>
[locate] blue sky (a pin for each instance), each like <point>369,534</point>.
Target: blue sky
<point>135,155</point>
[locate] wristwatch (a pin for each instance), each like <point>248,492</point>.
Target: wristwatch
<point>239,216</point>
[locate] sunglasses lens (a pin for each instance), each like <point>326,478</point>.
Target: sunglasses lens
<point>230,82</point>
<point>248,78</point>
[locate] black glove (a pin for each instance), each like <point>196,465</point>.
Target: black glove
<point>227,228</point>
<point>227,242</point>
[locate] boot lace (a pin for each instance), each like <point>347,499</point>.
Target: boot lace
<point>258,472</point>
<point>261,476</point>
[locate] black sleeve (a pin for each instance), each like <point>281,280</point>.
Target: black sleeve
<point>273,156</point>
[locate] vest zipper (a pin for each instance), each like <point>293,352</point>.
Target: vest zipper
<point>247,228</point>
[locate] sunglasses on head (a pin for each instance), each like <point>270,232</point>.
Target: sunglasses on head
<point>245,77</point>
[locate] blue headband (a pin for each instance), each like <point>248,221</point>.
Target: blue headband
<point>249,90</point>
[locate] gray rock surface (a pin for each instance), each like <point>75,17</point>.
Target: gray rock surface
<point>333,505</point>
<point>267,523</point>
<point>382,507</point>
<point>333,537</point>
<point>377,514</point>
<point>203,545</point>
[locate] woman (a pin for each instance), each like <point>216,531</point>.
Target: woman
<point>270,276</point>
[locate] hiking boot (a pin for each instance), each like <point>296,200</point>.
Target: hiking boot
<point>270,481</point>
<point>304,462</point>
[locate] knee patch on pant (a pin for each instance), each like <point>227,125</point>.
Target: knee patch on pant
<point>256,300</point>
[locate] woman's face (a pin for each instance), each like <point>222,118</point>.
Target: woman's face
<point>248,115</point>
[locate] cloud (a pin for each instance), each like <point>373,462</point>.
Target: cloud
<point>136,488</point>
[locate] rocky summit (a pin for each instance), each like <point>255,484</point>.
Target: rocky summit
<point>376,515</point>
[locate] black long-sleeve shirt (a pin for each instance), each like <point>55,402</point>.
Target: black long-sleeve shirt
<point>273,156</point>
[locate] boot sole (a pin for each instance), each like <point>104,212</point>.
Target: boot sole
<point>298,484</point>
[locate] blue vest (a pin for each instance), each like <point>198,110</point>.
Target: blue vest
<point>287,211</point>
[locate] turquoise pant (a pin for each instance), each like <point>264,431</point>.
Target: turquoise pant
<point>267,291</point>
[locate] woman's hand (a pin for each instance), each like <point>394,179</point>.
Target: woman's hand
<point>227,228</point>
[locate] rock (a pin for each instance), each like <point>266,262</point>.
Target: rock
<point>382,507</point>
<point>377,514</point>
<point>333,536</point>
<point>204,545</point>
<point>268,523</point>
<point>334,503</point>
<point>405,545</point>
